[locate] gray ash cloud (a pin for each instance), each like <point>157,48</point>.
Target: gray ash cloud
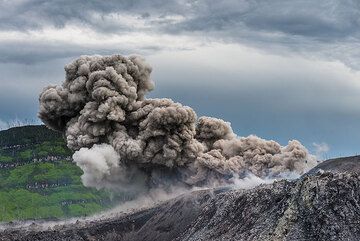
<point>122,139</point>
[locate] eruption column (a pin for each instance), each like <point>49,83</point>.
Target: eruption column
<point>123,139</point>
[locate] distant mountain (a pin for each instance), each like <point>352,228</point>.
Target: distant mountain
<point>320,206</point>
<point>39,180</point>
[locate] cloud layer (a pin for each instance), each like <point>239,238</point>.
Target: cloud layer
<point>328,29</point>
<point>299,57</point>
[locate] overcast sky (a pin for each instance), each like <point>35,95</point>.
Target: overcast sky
<point>279,69</point>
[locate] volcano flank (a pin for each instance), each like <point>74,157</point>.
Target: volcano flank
<point>322,205</point>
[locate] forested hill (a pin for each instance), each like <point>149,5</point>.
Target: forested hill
<point>39,180</point>
<point>27,135</point>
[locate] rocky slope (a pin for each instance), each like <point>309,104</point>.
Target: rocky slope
<point>343,164</point>
<point>321,206</point>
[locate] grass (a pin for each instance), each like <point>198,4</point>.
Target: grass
<point>28,152</point>
<point>47,189</point>
<point>4,158</point>
<point>17,202</point>
<point>21,204</point>
<point>56,147</point>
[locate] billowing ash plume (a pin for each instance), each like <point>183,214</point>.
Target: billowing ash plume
<point>102,101</point>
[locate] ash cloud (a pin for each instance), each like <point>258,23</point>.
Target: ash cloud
<point>123,139</point>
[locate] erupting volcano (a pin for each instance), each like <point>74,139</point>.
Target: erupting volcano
<point>124,140</point>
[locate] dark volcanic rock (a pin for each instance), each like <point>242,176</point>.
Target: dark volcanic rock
<point>323,206</point>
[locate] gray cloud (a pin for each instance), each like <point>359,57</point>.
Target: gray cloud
<point>35,14</point>
<point>302,103</point>
<point>326,28</point>
<point>31,52</point>
<point>332,18</point>
<point>24,52</point>
<point>325,20</point>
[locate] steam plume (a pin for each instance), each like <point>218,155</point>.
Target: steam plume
<point>102,101</point>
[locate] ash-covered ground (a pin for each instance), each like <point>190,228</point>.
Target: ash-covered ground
<point>323,205</point>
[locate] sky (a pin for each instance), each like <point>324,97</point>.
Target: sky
<point>278,69</point>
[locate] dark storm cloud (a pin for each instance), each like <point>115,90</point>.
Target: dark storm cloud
<point>314,19</point>
<point>35,14</point>
<point>326,28</point>
<point>331,18</point>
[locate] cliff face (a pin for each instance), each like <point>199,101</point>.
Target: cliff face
<point>323,206</point>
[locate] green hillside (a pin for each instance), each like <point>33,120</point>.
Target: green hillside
<point>39,180</point>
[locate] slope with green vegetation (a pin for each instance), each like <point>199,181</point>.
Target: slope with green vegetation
<point>39,180</point>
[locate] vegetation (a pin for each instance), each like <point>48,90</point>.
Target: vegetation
<point>39,180</point>
<point>27,135</point>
